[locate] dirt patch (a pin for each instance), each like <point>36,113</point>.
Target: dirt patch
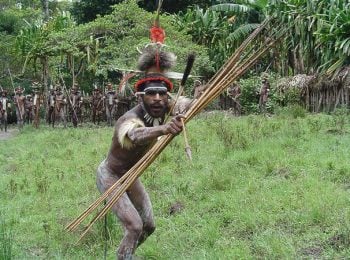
<point>7,135</point>
<point>313,251</point>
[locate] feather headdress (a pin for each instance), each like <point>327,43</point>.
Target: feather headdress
<point>154,61</point>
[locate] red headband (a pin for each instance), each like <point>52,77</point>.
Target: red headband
<point>142,82</point>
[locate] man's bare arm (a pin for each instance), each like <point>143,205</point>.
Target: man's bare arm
<point>144,135</point>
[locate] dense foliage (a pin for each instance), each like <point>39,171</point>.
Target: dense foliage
<point>96,51</point>
<point>320,37</point>
<point>97,48</point>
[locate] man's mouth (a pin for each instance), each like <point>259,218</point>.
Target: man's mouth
<point>156,108</point>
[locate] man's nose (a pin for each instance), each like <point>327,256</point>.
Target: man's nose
<point>157,96</point>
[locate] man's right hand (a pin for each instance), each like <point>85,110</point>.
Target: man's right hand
<point>175,125</point>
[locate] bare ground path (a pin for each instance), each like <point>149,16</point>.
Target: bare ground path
<point>7,135</point>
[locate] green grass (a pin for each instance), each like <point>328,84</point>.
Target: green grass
<point>258,188</point>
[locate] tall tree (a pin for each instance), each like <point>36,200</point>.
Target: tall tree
<point>88,10</point>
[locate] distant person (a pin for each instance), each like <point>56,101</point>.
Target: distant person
<point>4,105</point>
<point>28,106</point>
<point>199,89</point>
<point>110,103</point>
<point>50,104</point>
<point>76,101</point>
<point>60,107</point>
<point>19,102</point>
<point>264,94</point>
<point>97,105</point>
<point>234,93</point>
<point>36,103</point>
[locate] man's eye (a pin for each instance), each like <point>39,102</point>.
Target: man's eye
<point>151,92</point>
<point>154,92</point>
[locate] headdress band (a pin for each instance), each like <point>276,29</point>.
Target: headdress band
<point>140,83</point>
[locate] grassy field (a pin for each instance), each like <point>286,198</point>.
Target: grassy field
<point>258,188</point>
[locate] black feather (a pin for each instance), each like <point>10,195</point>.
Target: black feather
<point>190,60</point>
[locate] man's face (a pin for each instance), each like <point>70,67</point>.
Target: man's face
<point>155,100</point>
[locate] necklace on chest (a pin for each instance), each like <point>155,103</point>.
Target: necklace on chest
<point>154,121</point>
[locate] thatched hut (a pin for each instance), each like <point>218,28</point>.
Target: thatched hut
<point>319,92</point>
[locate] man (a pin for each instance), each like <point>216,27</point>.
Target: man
<point>199,89</point>
<point>50,105</point>
<point>4,105</point>
<point>19,101</point>
<point>97,105</point>
<point>28,106</point>
<point>134,134</point>
<point>264,94</point>
<point>36,103</point>
<point>76,101</point>
<point>234,92</point>
<point>59,109</point>
<point>110,97</point>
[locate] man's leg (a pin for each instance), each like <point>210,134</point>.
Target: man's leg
<point>141,200</point>
<point>1,120</point>
<point>5,121</point>
<point>19,118</point>
<point>63,117</point>
<point>126,212</point>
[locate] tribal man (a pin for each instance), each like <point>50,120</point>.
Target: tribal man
<point>50,105</point>
<point>110,103</point>
<point>264,94</point>
<point>199,88</point>
<point>76,101</point>
<point>36,103</point>
<point>19,101</point>
<point>234,92</point>
<point>97,105</point>
<point>4,105</point>
<point>28,107</point>
<point>134,134</point>
<point>59,109</point>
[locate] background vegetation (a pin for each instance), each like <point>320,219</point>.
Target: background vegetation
<point>259,187</point>
<point>92,42</point>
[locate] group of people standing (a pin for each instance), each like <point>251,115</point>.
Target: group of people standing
<point>104,104</point>
<point>61,105</point>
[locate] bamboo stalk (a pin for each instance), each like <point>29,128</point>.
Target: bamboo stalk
<point>94,205</point>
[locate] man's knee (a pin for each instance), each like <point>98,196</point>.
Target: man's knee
<point>149,227</point>
<point>134,228</point>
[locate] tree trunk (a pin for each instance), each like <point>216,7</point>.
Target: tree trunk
<point>337,99</point>
<point>319,103</point>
